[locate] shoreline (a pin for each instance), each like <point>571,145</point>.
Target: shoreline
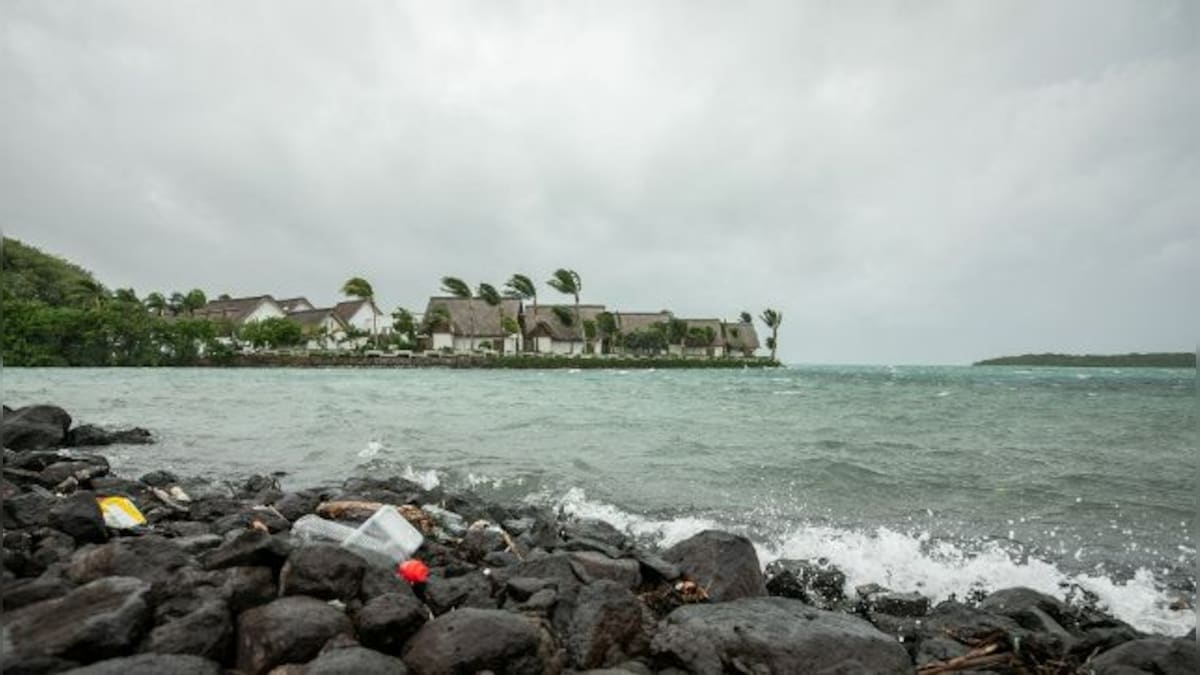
<point>216,574</point>
<point>464,362</point>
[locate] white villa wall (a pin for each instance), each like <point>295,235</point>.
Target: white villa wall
<point>362,320</point>
<point>265,310</point>
<point>442,341</point>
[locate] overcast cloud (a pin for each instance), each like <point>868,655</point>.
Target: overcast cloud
<point>912,182</point>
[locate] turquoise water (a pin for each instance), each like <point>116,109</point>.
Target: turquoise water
<point>941,479</point>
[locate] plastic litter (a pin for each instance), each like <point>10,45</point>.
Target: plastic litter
<point>385,539</point>
<point>120,513</point>
<point>413,571</point>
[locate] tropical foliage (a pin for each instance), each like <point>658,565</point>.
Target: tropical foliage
<point>773,319</point>
<point>567,282</point>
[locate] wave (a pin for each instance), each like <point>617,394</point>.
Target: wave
<point>916,562</point>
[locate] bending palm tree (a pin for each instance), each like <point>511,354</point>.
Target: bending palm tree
<point>491,296</point>
<point>521,286</point>
<point>357,287</point>
<point>568,282</point>
<point>194,300</point>
<point>155,302</point>
<point>459,289</point>
<point>772,319</point>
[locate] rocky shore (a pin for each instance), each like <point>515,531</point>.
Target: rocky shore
<point>215,582</point>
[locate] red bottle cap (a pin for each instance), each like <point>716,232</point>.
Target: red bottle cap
<point>413,571</point>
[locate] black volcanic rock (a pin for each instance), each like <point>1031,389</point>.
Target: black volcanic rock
<point>288,630</point>
<point>34,427</point>
<point>725,564</point>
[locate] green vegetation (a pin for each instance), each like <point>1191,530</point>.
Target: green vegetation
<point>460,289</point>
<point>1133,360</point>
<point>567,282</point>
<point>272,333</point>
<point>56,314</point>
<point>773,319</point>
<point>357,287</point>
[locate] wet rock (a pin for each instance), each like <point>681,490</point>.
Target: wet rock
<point>288,630</point>
<point>725,564</point>
<point>27,510</point>
<point>1153,655</point>
<point>152,664</point>
<point>605,627</point>
<point>152,559</point>
<point>251,547</point>
<point>481,539</point>
<point>28,591</point>
<point>469,590</point>
<point>247,587</point>
<point>591,566</point>
<point>34,427</point>
<point>79,516</point>
<point>86,435</point>
<point>598,531</point>
<point>967,623</point>
<point>208,509</point>
<point>52,547</point>
<point>778,635</point>
<point>294,505</point>
<point>472,640</point>
<point>98,620</point>
<point>377,581</point>
<point>654,568</point>
<point>521,588</point>
<point>115,486</point>
<point>322,571</point>
<point>449,522</point>
<point>207,632</point>
<point>355,661</point>
<point>83,469</point>
<point>160,479</point>
<point>388,621</point>
<point>899,604</point>
<point>818,583</point>
<point>199,543</point>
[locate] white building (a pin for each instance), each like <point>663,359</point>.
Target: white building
<point>463,325</point>
<point>239,311</point>
<point>322,328</point>
<point>363,315</point>
<point>553,329</point>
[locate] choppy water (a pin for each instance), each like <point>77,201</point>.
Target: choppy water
<point>939,479</point>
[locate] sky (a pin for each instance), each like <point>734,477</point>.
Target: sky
<point>908,182</point>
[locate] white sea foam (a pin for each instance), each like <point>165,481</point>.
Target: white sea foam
<point>427,478</point>
<point>906,562</point>
<point>372,449</point>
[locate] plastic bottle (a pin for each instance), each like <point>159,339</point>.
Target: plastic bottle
<point>385,539</point>
<point>315,528</point>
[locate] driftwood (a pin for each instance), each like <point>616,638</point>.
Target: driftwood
<point>998,650</point>
<point>359,510</point>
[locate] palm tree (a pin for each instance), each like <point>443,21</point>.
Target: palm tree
<point>491,296</point>
<point>404,324</point>
<point>155,302</point>
<point>194,300</point>
<point>772,319</point>
<point>358,287</point>
<point>176,303</point>
<point>568,282</point>
<point>90,292</point>
<point>746,318</point>
<point>459,289</point>
<point>127,295</point>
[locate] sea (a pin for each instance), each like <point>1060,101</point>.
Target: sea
<point>950,481</point>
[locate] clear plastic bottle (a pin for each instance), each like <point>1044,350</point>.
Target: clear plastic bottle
<point>385,539</point>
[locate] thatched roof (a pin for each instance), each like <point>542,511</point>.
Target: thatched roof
<point>628,322</point>
<point>487,318</point>
<point>311,319</point>
<point>233,310</point>
<point>713,324</point>
<point>741,336</point>
<point>346,310</point>
<point>546,319</point>
<point>297,304</point>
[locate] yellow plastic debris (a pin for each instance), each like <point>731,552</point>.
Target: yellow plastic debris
<point>120,513</point>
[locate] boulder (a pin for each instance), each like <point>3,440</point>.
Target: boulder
<point>27,510</point>
<point>605,627</point>
<point>469,590</point>
<point>151,558</point>
<point>28,591</point>
<point>898,604</point>
<point>88,435</point>
<point>471,640</point>
<point>1152,655</point>
<point>99,620</point>
<point>34,427</point>
<point>294,505</point>
<point>355,661</point>
<point>206,632</point>
<point>816,582</point>
<point>387,621</point>
<point>777,635</point>
<point>160,479</point>
<point>725,564</point>
<point>591,566</point>
<point>481,539</point>
<point>288,630</point>
<point>79,516</point>
<point>152,664</point>
<point>247,587</point>
<point>322,571</point>
<point>1026,606</point>
<point>251,547</point>
<point>377,581</point>
<point>83,468</point>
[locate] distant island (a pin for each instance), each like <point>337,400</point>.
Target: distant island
<point>1135,360</point>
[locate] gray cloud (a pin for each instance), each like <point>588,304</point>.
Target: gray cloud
<point>908,182</point>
